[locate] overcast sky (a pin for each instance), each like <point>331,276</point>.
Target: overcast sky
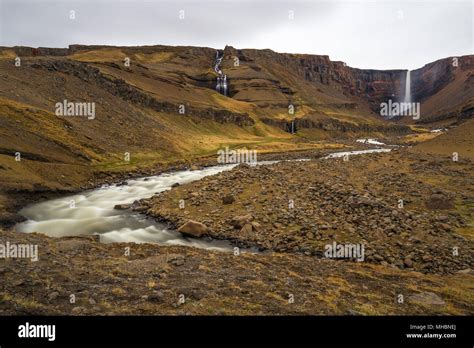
<point>364,34</point>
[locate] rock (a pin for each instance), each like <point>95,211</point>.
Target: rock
<point>122,206</point>
<point>247,228</point>
<point>157,296</point>
<point>77,310</point>
<point>240,221</point>
<point>377,257</point>
<point>439,201</point>
<point>52,296</point>
<point>408,262</point>
<point>256,225</point>
<point>194,167</point>
<point>176,184</point>
<point>177,260</point>
<point>427,299</point>
<point>193,229</point>
<point>228,199</point>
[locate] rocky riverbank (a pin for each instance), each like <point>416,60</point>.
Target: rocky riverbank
<point>290,210</point>
<point>409,212</point>
<point>12,199</point>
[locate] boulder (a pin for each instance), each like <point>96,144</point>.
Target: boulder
<point>228,199</point>
<point>439,201</point>
<point>408,262</point>
<point>240,221</point>
<point>122,206</point>
<point>193,229</point>
<point>246,229</point>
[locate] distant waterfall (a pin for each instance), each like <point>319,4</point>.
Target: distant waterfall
<point>406,106</point>
<point>407,88</point>
<point>291,127</point>
<point>221,85</point>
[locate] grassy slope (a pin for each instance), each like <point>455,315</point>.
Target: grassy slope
<point>459,139</point>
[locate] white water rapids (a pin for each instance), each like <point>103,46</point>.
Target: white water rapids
<point>94,211</point>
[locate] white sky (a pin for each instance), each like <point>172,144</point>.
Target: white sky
<point>364,34</point>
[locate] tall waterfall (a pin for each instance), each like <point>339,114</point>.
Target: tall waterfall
<point>406,104</point>
<point>221,85</point>
<point>407,98</point>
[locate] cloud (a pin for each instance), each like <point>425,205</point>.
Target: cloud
<point>379,35</point>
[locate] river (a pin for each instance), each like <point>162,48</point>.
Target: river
<point>93,210</point>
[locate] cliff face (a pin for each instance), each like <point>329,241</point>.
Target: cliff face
<point>263,84</point>
<point>444,88</point>
<point>375,86</point>
<point>274,80</point>
<point>433,77</point>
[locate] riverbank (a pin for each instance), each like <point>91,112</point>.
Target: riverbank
<point>409,212</point>
<point>13,199</point>
<point>409,266</point>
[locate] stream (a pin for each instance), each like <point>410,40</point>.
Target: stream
<point>93,211</point>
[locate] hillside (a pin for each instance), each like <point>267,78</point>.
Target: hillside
<point>163,108</point>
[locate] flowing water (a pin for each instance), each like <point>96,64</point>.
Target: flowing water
<point>221,85</point>
<point>94,211</point>
<point>356,152</point>
<point>407,98</point>
<point>369,141</point>
<point>406,106</point>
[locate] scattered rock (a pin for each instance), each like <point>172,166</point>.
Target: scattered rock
<point>156,296</point>
<point>408,262</point>
<point>52,296</point>
<point>175,259</point>
<point>193,229</point>
<point>247,228</point>
<point>228,199</point>
<point>240,221</point>
<point>439,202</point>
<point>122,206</point>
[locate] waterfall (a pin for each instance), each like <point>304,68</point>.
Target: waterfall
<point>221,85</point>
<point>407,88</point>
<point>291,127</point>
<point>407,98</point>
<point>406,104</point>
